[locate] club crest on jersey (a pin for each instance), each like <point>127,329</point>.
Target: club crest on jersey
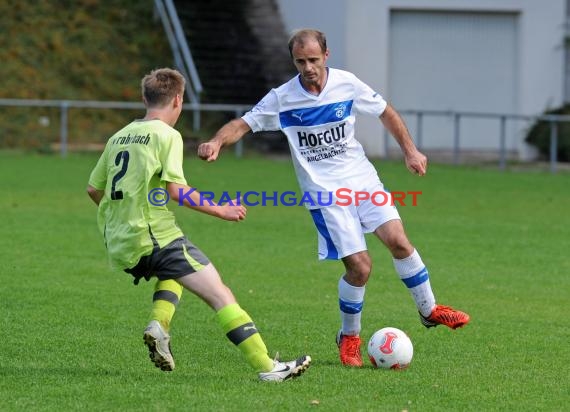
<point>339,110</point>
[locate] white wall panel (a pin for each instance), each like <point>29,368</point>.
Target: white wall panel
<point>461,61</point>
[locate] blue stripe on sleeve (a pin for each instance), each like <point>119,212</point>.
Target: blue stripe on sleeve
<point>314,116</point>
<point>417,279</point>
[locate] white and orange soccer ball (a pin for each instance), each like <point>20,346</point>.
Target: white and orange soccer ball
<point>390,348</point>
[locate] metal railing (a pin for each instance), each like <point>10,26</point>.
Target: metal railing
<point>239,109</point>
<point>180,51</point>
<point>502,118</point>
<point>65,105</point>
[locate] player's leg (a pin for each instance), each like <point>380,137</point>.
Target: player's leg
<point>194,272</point>
<point>167,294</point>
<point>238,325</point>
<point>408,264</point>
<point>351,291</point>
<point>340,236</point>
<point>382,218</point>
<point>415,276</point>
<point>235,322</point>
<point>165,298</point>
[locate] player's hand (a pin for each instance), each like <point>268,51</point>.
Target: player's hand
<point>209,151</point>
<point>416,163</point>
<point>233,211</point>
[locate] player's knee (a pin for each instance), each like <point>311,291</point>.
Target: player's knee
<point>360,272</point>
<point>364,271</point>
<point>400,247</point>
<point>358,267</point>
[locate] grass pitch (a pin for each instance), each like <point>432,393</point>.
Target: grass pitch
<point>496,245</point>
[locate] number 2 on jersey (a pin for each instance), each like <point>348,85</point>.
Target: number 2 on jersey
<point>124,156</point>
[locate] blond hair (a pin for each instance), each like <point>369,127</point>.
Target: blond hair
<point>160,86</point>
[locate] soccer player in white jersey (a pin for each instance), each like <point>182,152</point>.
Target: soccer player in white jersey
<point>141,163</point>
<point>316,110</point>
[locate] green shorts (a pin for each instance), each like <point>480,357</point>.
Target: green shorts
<point>179,258</point>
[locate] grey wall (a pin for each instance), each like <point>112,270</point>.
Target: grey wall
<point>328,16</point>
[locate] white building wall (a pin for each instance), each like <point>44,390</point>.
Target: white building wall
<point>358,33</point>
<point>329,16</point>
<point>454,61</point>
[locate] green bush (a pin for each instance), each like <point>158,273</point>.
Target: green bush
<point>539,136</point>
<point>78,50</point>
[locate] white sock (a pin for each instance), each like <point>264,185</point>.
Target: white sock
<point>351,300</point>
<point>415,276</point>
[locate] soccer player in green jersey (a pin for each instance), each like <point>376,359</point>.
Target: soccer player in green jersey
<point>141,168</point>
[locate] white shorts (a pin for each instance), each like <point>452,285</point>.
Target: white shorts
<point>341,228</point>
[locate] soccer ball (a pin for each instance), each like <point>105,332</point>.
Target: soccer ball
<point>390,348</point>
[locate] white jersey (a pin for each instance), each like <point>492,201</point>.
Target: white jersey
<point>320,129</point>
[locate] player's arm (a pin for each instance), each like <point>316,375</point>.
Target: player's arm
<point>228,134</point>
<point>193,200</point>
<point>98,179</point>
<point>95,194</point>
<point>416,162</point>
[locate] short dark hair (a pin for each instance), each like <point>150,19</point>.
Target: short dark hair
<point>302,35</point>
<point>160,86</point>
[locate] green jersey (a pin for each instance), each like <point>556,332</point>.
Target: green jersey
<point>141,157</point>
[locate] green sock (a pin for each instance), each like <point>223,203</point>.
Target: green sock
<point>166,296</point>
<point>241,331</point>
